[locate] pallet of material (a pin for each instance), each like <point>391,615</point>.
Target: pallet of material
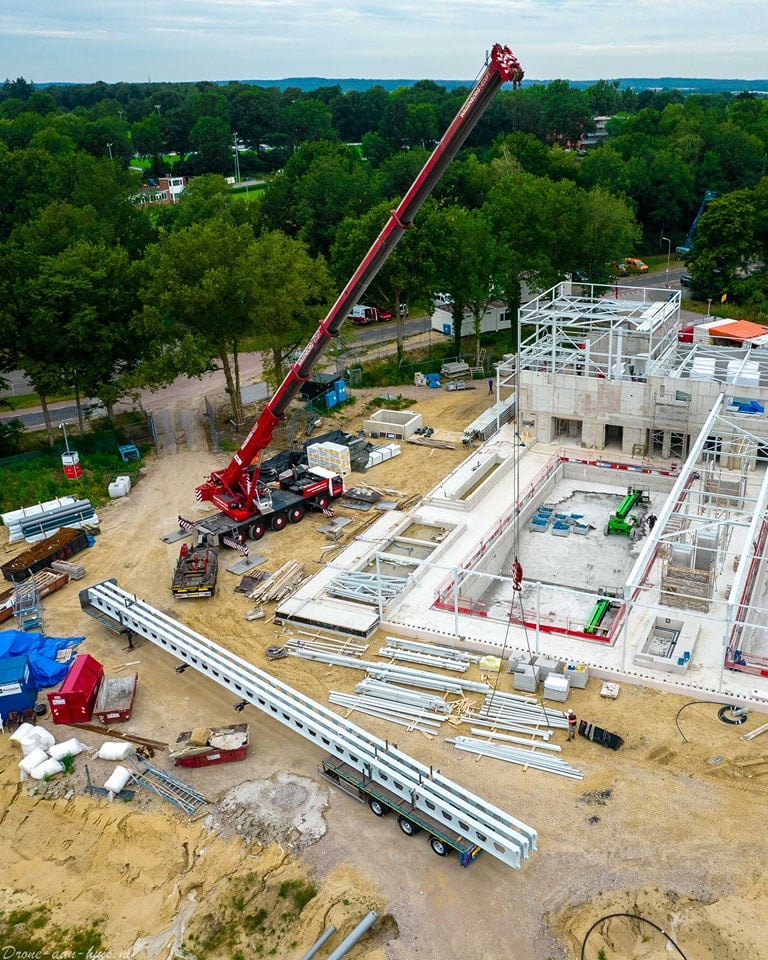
<point>75,571</point>
<point>46,581</point>
<point>60,546</point>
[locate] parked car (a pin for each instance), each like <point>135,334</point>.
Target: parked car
<point>633,265</point>
<point>361,314</point>
<point>685,280</point>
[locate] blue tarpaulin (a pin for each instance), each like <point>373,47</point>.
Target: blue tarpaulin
<point>41,652</point>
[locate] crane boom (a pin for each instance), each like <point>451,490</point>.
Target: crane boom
<point>234,489</point>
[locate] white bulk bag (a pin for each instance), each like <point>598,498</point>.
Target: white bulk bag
<point>32,759</point>
<point>118,779</point>
<point>115,750</point>
<point>21,732</point>
<point>67,748</point>
<point>48,768</point>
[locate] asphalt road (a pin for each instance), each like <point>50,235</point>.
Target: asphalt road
<point>185,388</point>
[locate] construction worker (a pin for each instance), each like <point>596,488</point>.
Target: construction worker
<point>571,724</point>
<point>490,385</point>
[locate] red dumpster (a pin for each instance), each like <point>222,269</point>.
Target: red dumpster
<point>73,701</point>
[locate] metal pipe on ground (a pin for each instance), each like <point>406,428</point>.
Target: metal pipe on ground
<point>324,936</point>
<point>349,941</point>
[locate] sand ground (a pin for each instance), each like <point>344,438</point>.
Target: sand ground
<point>655,829</point>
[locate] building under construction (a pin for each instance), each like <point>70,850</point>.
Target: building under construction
<point>613,517</point>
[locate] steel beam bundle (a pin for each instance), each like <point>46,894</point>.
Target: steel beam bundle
<point>524,758</point>
<point>392,691</point>
<point>366,587</point>
<point>492,829</point>
<point>406,715</point>
<point>433,649</point>
<point>425,659</point>
<point>332,645</point>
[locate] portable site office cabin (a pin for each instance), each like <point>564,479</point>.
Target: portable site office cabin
<point>495,318</point>
<point>18,690</point>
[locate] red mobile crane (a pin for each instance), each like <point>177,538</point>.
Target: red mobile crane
<point>247,504</point>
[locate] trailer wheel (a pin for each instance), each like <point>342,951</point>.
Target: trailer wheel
<point>295,514</point>
<point>438,846</point>
<point>278,521</point>
<point>377,807</point>
<point>257,530</point>
<point>322,502</point>
<point>409,828</point>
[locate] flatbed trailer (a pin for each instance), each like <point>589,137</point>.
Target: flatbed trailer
<point>196,572</point>
<point>411,821</point>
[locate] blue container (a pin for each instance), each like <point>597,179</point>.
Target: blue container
<point>330,399</point>
<point>341,391</point>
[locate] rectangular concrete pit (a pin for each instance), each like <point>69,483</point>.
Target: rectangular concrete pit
<point>393,424</point>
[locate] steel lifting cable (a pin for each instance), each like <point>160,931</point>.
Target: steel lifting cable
<point>517,567</point>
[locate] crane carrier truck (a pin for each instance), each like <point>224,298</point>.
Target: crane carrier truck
<point>248,506</point>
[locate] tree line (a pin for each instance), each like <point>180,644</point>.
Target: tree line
<point>101,297</point>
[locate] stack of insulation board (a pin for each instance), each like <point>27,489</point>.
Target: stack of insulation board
<point>384,452</point>
<point>332,456</point>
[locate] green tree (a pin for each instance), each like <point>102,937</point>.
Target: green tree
<point>292,294</point>
<point>211,140</point>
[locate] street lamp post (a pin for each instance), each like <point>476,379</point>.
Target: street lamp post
<point>669,254</point>
<point>66,442</point>
<point>709,304</point>
<point>237,159</point>
<point>109,147</point>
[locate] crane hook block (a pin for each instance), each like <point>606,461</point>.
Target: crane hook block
<point>517,575</point>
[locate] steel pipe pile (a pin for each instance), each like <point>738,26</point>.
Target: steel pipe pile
<point>503,836</point>
<point>328,644</point>
<point>524,758</point>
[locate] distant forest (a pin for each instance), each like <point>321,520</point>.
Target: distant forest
<point>103,291</point>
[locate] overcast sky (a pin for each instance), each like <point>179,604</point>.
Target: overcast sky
<point>181,40</point>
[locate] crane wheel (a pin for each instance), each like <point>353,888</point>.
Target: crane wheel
<point>295,514</point>
<point>257,530</point>
<point>279,520</point>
